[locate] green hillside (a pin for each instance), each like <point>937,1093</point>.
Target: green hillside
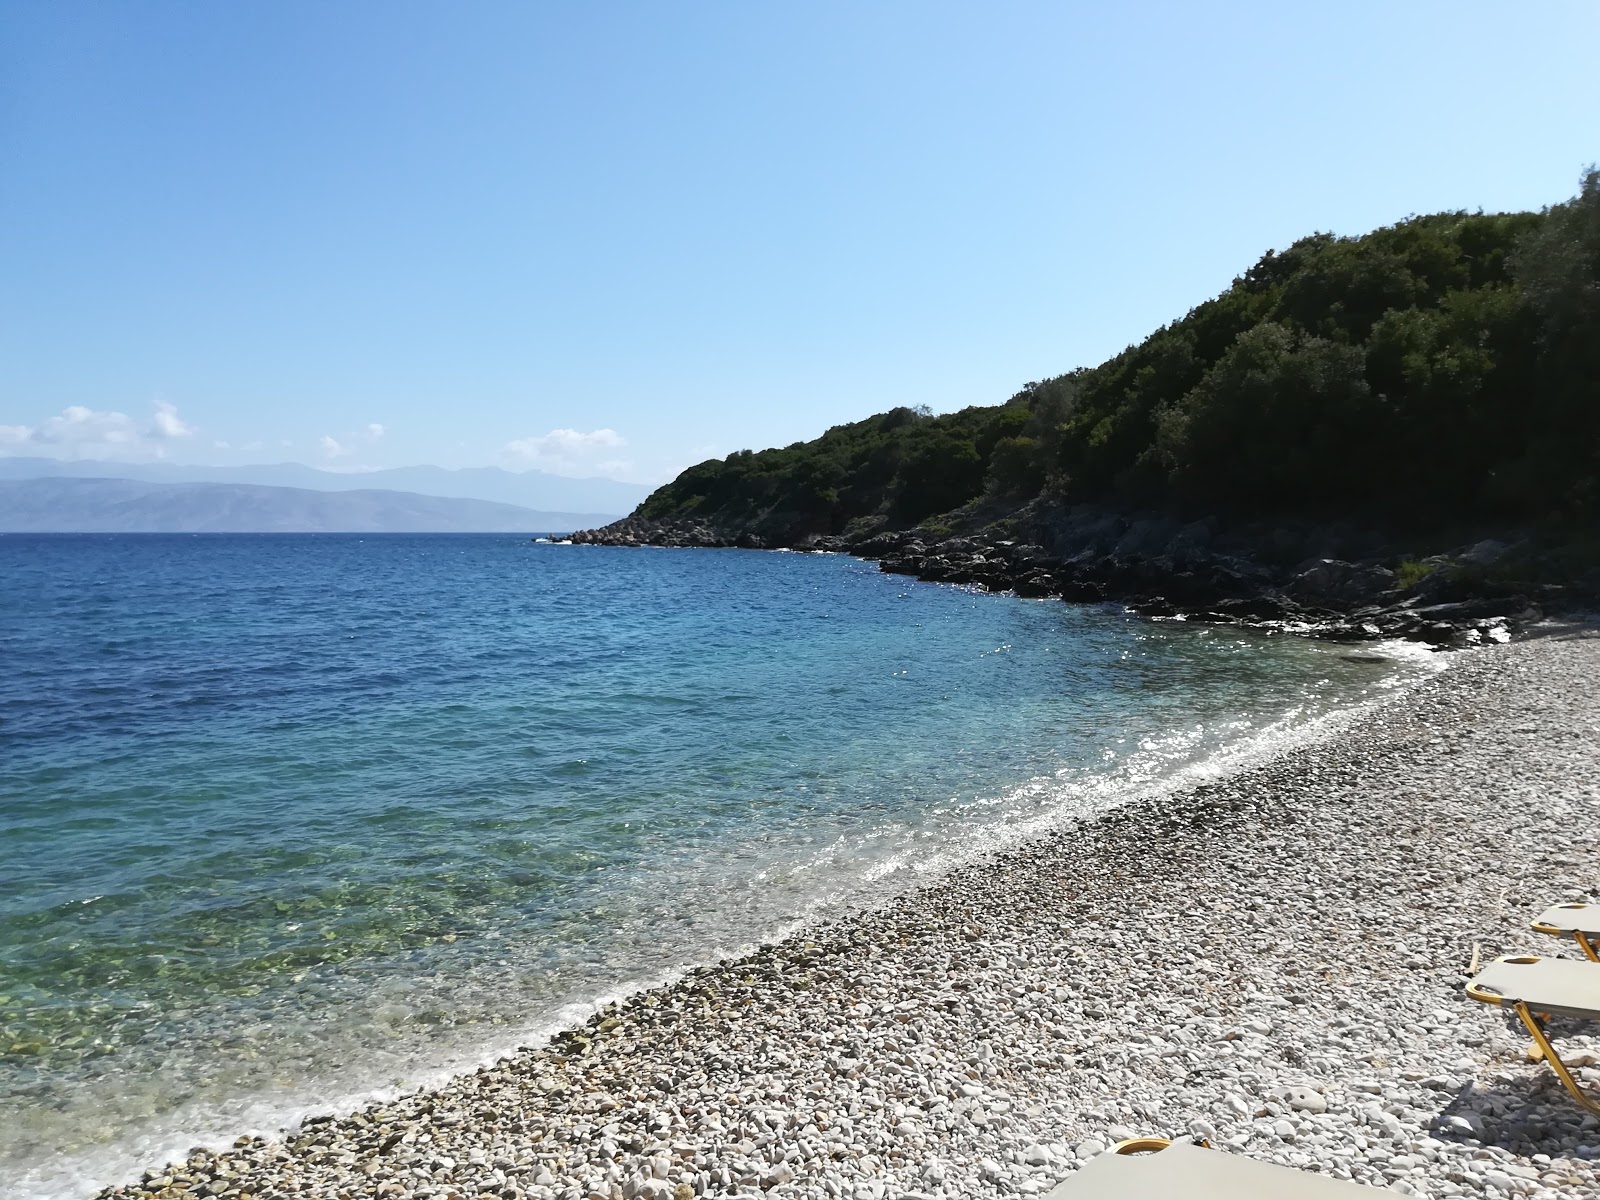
<point>1444,369</point>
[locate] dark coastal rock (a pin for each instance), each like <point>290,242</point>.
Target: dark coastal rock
<point>1083,591</point>
<point>1036,584</point>
<point>1474,610</point>
<point>1026,554</point>
<point>1350,631</point>
<point>822,543</point>
<point>1485,553</point>
<point>1335,580</point>
<point>1165,567</point>
<point>1435,633</point>
<point>902,564</point>
<point>880,545</point>
<point>1255,608</point>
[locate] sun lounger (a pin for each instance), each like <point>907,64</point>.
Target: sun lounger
<point>1538,988</point>
<point>1182,1171</point>
<point>1581,922</point>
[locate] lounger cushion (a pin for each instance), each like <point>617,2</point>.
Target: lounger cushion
<point>1571,918</point>
<point>1186,1172</point>
<point>1568,987</point>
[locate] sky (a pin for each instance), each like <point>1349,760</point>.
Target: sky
<point>613,239</point>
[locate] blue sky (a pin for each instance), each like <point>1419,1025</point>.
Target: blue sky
<point>614,239</point>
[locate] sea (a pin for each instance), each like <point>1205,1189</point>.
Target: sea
<point>291,822</point>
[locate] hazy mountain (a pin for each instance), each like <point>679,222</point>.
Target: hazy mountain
<point>66,505</point>
<point>531,489</point>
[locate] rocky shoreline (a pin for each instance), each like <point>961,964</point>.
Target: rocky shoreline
<point>1278,580</point>
<point>1272,961</point>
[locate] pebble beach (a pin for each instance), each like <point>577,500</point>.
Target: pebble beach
<point>1272,961</point>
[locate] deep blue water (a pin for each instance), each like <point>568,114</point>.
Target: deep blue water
<point>289,819</point>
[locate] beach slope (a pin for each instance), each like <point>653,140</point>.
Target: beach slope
<point>1273,961</point>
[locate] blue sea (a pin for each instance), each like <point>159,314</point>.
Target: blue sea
<point>291,821</point>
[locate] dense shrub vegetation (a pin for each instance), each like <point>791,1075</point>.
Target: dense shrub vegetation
<point>1441,370</point>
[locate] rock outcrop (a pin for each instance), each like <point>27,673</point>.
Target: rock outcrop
<point>1166,568</point>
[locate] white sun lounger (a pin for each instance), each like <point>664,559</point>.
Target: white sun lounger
<point>1538,988</point>
<point>1183,1171</point>
<point>1580,922</point>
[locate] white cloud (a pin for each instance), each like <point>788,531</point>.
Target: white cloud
<point>81,432</point>
<point>346,443</point>
<point>78,426</point>
<point>221,445</point>
<point>561,442</point>
<point>572,453</point>
<point>167,422</point>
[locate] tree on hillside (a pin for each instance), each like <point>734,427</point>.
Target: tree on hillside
<point>1283,419</point>
<point>1558,267</point>
<point>1443,368</point>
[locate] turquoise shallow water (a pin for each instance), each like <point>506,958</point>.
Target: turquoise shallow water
<point>287,820</point>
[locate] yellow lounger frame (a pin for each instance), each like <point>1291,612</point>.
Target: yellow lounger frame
<point>1577,935</point>
<point>1541,1040</point>
<point>1147,1145</point>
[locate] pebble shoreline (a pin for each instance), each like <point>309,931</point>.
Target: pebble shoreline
<point>1272,961</point>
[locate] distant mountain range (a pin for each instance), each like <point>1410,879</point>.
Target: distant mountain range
<point>530,489</point>
<point>68,505</point>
